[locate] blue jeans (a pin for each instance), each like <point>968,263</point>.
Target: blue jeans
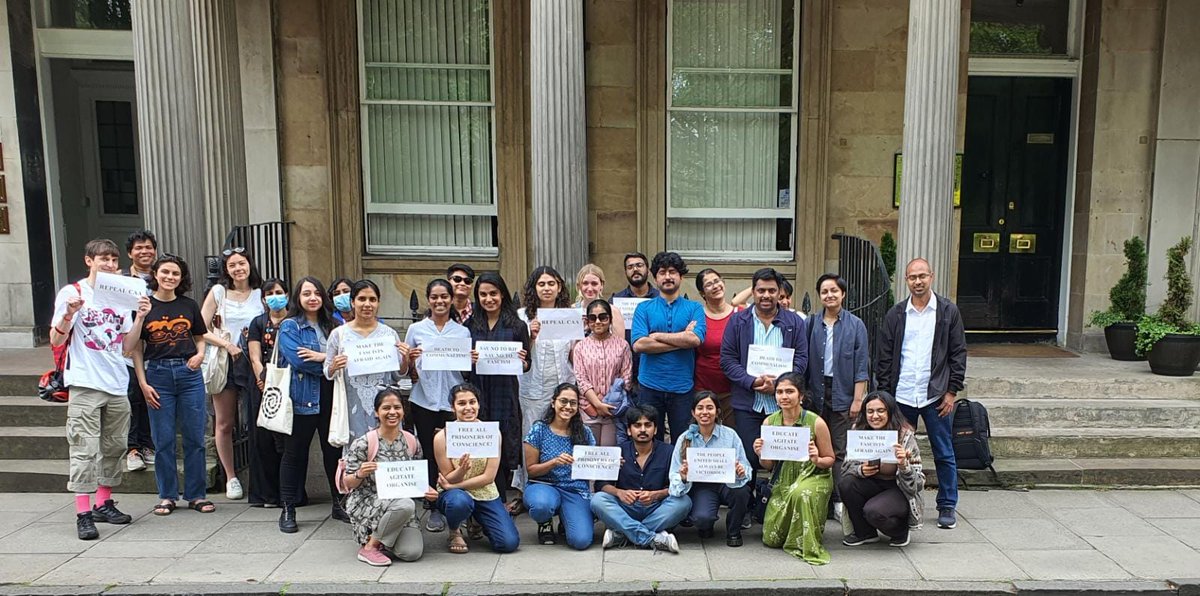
<point>675,407</point>
<point>941,441</point>
<point>497,524</point>
<point>637,522</point>
<point>180,410</point>
<point>544,500</point>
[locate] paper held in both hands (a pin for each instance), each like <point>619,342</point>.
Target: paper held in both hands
<point>446,353</point>
<point>596,463</point>
<point>480,440</point>
<point>711,464</point>
<point>866,445</point>
<point>560,323</point>
<point>785,443</point>
<point>767,360</point>
<point>499,358</point>
<point>118,292</point>
<point>401,479</point>
<point>371,356</point>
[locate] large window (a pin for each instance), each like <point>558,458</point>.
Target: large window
<point>732,117</point>
<point>427,96</point>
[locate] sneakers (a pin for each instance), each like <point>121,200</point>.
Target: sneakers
<point>373,556</point>
<point>233,489</point>
<point>947,519</point>
<point>287,519</point>
<point>662,541</point>
<point>855,540</point>
<point>898,541</point>
<point>148,455</point>
<point>734,540</point>
<point>747,523</point>
<point>614,540</point>
<point>546,533</point>
<point>85,524</point>
<point>436,521</point>
<point>109,514</point>
<point>134,461</point>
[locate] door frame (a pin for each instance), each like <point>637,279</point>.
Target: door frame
<point>93,87</point>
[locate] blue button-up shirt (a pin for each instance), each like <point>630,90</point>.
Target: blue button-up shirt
<point>655,474</point>
<point>769,335</point>
<point>671,371</point>
<point>850,357</point>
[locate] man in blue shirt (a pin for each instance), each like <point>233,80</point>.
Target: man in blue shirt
<point>666,332</point>
<point>638,507</point>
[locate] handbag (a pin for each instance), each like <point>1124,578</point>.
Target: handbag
<point>339,414</point>
<point>215,367</point>
<point>762,494</point>
<point>275,408</point>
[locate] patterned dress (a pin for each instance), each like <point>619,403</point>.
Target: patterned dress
<point>361,389</point>
<point>795,518</point>
<point>362,504</point>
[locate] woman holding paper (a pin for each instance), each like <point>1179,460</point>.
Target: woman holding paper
<point>551,364</point>
<point>880,496</point>
<point>600,360</point>
<point>386,528</point>
<point>795,517</point>
<point>468,485</point>
<point>707,432</point>
<point>548,458</point>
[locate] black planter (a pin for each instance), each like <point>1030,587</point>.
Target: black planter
<point>1120,339</point>
<point>1175,355</point>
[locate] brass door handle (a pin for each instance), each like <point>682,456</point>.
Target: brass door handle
<point>1022,243</point>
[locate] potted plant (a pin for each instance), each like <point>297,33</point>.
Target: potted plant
<point>1127,304</point>
<point>1168,338</point>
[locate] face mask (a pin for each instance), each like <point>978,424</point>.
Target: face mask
<point>277,301</point>
<point>342,302</point>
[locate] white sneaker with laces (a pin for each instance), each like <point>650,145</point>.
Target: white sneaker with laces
<point>134,461</point>
<point>233,489</point>
<point>613,540</point>
<point>665,541</point>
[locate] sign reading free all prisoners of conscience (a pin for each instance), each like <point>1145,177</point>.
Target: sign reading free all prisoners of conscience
<point>401,479</point>
<point>596,463</point>
<point>480,440</point>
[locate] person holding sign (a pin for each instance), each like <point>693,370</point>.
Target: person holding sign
<point>707,497</point>
<point>551,489</point>
<point>468,484</point>
<point>600,359</point>
<point>795,515</point>
<point>551,358</point>
<point>880,496</point>
<point>387,529</point>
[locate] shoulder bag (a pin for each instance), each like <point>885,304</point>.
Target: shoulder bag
<point>275,409</point>
<point>215,367</point>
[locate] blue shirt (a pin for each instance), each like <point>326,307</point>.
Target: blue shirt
<point>654,476</point>
<point>764,403</point>
<point>551,445</point>
<point>723,437</point>
<point>671,371</point>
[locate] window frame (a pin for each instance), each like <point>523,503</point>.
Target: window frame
<point>369,208</point>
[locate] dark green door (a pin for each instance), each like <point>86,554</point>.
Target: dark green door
<point>1013,195</point>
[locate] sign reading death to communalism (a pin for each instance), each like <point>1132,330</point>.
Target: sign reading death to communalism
<point>785,443</point>
<point>711,464</point>
<point>371,356</point>
<point>867,445</point>
<point>560,323</point>
<point>596,463</point>
<point>446,353</point>
<point>767,360</point>
<point>118,292</point>
<point>499,358</point>
<point>480,440</point>
<point>401,479</point>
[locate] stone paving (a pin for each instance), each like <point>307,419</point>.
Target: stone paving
<point>1002,536</point>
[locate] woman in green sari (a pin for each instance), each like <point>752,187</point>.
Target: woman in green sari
<point>795,517</point>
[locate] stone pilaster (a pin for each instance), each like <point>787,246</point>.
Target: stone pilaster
<point>558,135</point>
<point>926,227</point>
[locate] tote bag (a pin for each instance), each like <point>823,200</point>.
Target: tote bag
<point>339,415</point>
<point>215,367</point>
<point>275,409</point>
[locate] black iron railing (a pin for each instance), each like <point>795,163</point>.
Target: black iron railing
<point>861,265</point>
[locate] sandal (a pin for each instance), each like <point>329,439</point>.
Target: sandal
<point>458,546</point>
<point>474,530</point>
<point>202,505</point>
<point>164,508</point>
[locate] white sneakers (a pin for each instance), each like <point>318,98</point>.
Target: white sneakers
<point>233,489</point>
<point>134,461</point>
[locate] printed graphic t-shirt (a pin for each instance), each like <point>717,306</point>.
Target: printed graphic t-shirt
<point>94,354</point>
<point>169,328</point>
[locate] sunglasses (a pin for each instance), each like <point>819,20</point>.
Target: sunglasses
<point>237,250</point>
<point>602,317</point>
<point>458,279</point>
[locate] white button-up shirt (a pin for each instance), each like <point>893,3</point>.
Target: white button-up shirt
<point>916,353</point>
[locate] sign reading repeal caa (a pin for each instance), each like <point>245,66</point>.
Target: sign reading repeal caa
<point>118,292</point>
<point>560,323</point>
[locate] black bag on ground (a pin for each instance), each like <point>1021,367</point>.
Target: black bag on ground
<point>971,432</point>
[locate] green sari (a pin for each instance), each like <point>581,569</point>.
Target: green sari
<point>795,517</point>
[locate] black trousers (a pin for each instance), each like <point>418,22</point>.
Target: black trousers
<point>839,424</point>
<point>293,467</point>
<point>266,451</point>
<point>707,499</point>
<point>875,504</point>
<point>427,423</point>
<point>139,416</point>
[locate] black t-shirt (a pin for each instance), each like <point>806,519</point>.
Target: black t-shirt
<point>262,330</point>
<point>169,328</point>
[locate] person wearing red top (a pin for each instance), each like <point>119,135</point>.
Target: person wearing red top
<point>717,311</point>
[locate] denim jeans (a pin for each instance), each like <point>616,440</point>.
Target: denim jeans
<point>675,407</point>
<point>497,524</point>
<point>941,442</point>
<point>544,500</point>
<point>637,522</point>
<point>180,410</point>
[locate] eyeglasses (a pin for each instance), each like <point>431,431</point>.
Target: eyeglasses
<point>568,403</point>
<point>918,277</point>
<point>458,279</point>
<point>712,284</point>
<point>237,250</point>
<point>637,265</point>
<point>602,317</point>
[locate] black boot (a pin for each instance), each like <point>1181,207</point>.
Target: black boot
<point>338,512</point>
<point>287,519</point>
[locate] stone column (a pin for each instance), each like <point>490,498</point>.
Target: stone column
<point>930,111</point>
<point>558,135</point>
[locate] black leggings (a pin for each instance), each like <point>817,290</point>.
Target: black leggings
<point>293,468</point>
<point>875,504</point>
<point>427,423</point>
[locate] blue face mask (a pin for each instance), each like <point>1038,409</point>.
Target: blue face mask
<point>342,302</point>
<point>277,301</point>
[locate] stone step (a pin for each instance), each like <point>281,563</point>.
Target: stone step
<point>16,410</point>
<point>1147,386</point>
<point>50,442</point>
<point>50,475</point>
<point>1080,473</point>
<point>1093,413</point>
<point>1024,442</point>
<point>21,384</point>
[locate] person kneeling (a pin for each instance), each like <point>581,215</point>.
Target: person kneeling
<point>548,458</point>
<point>638,507</point>
<point>387,528</point>
<point>707,497</point>
<point>879,496</point>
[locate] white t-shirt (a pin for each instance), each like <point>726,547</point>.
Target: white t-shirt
<point>238,315</point>
<point>94,355</point>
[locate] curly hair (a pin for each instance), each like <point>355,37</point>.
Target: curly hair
<point>185,275</point>
<point>529,298</point>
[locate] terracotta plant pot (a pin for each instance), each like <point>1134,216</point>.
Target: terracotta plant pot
<point>1120,339</point>
<point>1175,355</point>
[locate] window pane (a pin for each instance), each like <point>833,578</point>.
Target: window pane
<point>731,90</point>
<point>722,236</point>
<point>1028,27</point>
<point>729,159</point>
<point>118,166</point>
<point>88,14</point>
<point>429,84</point>
<point>430,154</point>
<point>426,32</point>
<point>435,231</point>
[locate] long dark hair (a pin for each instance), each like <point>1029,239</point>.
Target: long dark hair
<point>324,314</point>
<point>797,381</point>
<point>383,393</point>
<point>896,420</point>
<point>185,275</point>
<point>576,427</point>
<point>703,395</point>
<point>255,279</point>
<point>433,283</point>
<point>508,310</point>
<point>529,297</point>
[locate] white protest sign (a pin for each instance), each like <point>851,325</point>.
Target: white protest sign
<point>371,356</point>
<point>596,463</point>
<point>785,443</point>
<point>711,464</point>
<point>480,440</point>
<point>401,479</point>
<point>499,358</point>
<point>446,353</point>
<point>560,323</point>
<point>118,292</point>
<point>627,306</point>
<point>867,445</point>
<point>766,360</point>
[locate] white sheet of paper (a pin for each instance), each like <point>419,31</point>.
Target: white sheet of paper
<point>766,360</point>
<point>627,306</point>
<point>118,292</point>
<point>370,356</point>
<point>785,443</point>
<point>866,445</point>
<point>401,479</point>
<point>446,353</point>
<point>480,440</point>
<point>711,464</point>
<point>499,358</point>
<point>596,463</point>
<point>560,323</point>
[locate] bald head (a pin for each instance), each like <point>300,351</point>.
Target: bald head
<point>916,262</point>
<point>919,277</point>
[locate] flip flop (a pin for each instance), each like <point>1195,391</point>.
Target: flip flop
<point>202,505</point>
<point>164,508</point>
<point>458,545</point>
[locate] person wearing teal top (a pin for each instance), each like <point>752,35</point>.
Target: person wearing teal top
<point>707,497</point>
<point>795,517</point>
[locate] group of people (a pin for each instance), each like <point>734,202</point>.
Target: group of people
<point>677,369</point>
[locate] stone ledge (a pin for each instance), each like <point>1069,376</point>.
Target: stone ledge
<point>877,587</point>
<point>780,587</point>
<point>1186,586</point>
<point>613,589</point>
<point>1065,588</point>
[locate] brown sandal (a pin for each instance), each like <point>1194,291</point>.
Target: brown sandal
<point>164,508</point>
<point>458,545</point>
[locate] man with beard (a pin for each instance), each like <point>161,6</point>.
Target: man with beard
<point>637,274</point>
<point>666,332</point>
<point>638,508</point>
<point>142,248</point>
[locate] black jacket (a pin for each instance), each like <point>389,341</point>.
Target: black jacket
<point>948,365</point>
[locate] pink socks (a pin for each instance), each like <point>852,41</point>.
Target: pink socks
<point>103,493</point>
<point>83,503</point>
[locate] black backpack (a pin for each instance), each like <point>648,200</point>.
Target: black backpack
<point>971,431</point>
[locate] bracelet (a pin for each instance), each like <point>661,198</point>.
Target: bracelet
<point>60,331</point>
